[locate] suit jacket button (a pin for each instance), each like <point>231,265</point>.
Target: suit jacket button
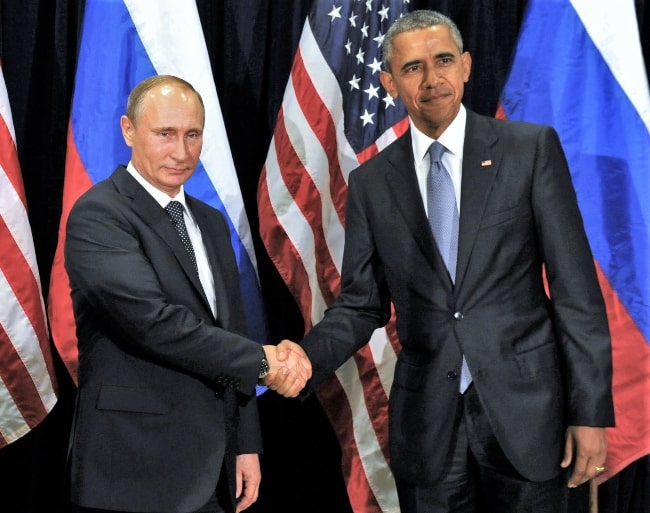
<point>458,316</point>
<point>451,375</point>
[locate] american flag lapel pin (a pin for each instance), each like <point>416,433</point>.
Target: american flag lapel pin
<point>486,163</point>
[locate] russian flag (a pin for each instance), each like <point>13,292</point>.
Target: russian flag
<point>579,68</point>
<point>122,43</point>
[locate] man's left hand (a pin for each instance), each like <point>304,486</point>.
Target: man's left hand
<point>248,480</point>
<point>589,447</point>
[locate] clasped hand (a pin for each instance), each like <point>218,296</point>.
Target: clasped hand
<point>290,368</point>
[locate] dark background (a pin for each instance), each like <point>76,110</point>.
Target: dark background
<point>251,45</point>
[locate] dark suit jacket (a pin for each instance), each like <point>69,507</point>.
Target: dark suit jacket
<point>149,431</point>
<point>538,365</point>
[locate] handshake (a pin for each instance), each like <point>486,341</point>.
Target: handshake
<point>290,369</point>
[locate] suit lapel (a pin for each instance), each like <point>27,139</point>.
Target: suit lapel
<point>481,162</point>
<point>158,220</point>
<point>213,239</point>
<point>403,185</point>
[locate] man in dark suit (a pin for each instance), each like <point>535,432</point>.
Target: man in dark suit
<point>166,417</point>
<point>497,386</point>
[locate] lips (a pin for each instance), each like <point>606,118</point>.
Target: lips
<point>435,97</point>
<point>176,171</point>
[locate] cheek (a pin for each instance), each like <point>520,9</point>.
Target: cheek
<point>195,148</point>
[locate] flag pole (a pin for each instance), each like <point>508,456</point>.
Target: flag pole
<point>593,496</point>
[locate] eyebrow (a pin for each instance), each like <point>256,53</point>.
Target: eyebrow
<point>442,55</point>
<point>445,55</point>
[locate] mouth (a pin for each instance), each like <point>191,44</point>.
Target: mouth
<point>434,97</point>
<point>176,170</point>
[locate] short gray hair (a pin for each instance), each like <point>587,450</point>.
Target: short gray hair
<point>416,20</point>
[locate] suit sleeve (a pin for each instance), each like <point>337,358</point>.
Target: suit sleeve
<point>363,304</point>
<point>577,304</point>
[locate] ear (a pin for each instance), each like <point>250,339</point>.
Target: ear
<point>388,83</point>
<point>466,59</point>
<point>127,130</point>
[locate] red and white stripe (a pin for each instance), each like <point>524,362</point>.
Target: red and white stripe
<point>301,199</point>
<point>27,378</point>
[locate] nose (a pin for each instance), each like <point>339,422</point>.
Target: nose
<point>430,77</point>
<point>180,150</point>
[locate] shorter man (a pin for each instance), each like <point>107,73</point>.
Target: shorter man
<point>166,417</point>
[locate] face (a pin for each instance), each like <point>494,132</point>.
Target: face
<point>428,73</point>
<point>167,137</point>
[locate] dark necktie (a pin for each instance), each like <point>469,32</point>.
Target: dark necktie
<point>443,218</point>
<point>175,211</point>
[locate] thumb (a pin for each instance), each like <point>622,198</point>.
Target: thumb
<point>282,350</point>
<point>568,451</point>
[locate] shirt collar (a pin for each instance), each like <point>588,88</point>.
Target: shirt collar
<point>161,197</point>
<point>453,138</point>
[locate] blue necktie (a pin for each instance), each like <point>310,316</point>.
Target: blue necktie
<point>443,218</point>
<point>175,211</point>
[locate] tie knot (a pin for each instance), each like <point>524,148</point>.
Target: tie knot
<point>435,151</point>
<point>175,210</point>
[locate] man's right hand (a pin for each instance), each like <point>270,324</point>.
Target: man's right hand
<point>290,368</point>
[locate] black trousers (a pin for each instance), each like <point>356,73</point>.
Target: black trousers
<point>478,476</point>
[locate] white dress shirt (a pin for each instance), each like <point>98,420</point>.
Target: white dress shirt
<point>453,138</point>
<point>202,262</point>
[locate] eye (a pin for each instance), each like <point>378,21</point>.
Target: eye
<point>164,133</point>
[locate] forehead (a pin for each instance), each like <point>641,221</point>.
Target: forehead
<point>173,102</point>
<point>430,39</point>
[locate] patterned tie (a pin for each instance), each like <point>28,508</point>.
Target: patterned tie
<point>175,211</point>
<point>443,212</point>
<point>443,218</point>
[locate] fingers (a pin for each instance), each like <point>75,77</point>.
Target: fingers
<point>246,500</point>
<point>290,368</point>
<point>285,382</point>
<point>590,450</point>
<point>248,480</point>
<point>568,452</point>
<point>295,358</point>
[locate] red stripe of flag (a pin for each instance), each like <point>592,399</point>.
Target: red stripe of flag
<point>398,130</point>
<point>28,382</point>
<point>361,496</point>
<point>391,332</point>
<point>282,252</point>
<point>60,311</point>
<point>9,160</point>
<point>320,120</point>
<point>375,396</point>
<point>628,441</point>
<point>19,382</point>
<point>23,283</point>
<point>307,197</point>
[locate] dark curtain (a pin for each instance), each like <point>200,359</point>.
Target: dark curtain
<point>251,45</point>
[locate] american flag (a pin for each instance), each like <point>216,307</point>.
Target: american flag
<point>334,116</point>
<point>27,378</point>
